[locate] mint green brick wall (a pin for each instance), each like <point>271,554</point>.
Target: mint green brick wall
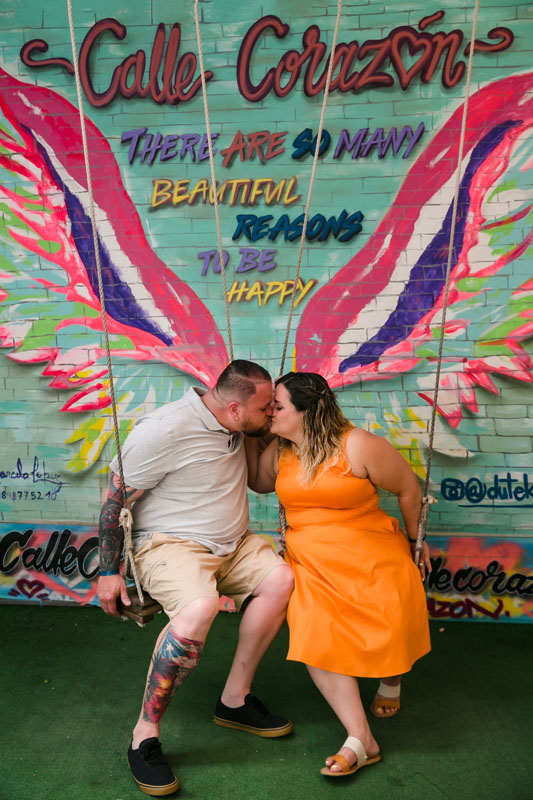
<point>507,444</point>
<point>480,435</point>
<point>514,427</point>
<point>509,412</point>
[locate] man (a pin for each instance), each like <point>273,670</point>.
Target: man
<point>186,476</point>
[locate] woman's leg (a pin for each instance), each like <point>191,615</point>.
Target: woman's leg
<point>381,705</point>
<point>342,694</point>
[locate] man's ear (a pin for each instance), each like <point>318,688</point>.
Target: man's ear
<point>234,409</point>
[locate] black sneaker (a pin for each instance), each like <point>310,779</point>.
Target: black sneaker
<point>150,769</point>
<point>252,717</point>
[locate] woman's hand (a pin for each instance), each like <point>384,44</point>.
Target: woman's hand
<point>424,563</point>
<point>372,457</point>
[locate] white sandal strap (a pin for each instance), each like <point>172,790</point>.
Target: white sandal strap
<point>392,692</point>
<point>357,746</point>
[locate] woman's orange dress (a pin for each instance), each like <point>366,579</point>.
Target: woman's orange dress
<point>358,607</point>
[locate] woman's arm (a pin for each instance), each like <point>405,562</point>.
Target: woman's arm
<point>372,457</point>
<point>262,465</point>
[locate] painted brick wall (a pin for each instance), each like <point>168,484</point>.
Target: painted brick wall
<point>370,319</point>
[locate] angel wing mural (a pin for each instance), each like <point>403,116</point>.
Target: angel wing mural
<point>348,331</point>
<point>151,313</point>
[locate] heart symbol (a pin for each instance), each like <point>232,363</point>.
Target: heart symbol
<point>415,42</point>
<point>29,588</point>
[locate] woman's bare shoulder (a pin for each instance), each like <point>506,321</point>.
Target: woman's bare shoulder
<point>357,437</point>
<point>363,449</point>
<point>355,448</point>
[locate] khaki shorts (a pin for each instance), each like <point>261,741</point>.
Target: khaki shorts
<point>177,571</point>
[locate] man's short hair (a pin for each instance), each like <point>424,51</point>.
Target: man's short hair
<point>239,379</point>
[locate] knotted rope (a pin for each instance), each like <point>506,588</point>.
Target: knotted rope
<point>125,519</point>
<point>427,499</point>
<point>283,523</point>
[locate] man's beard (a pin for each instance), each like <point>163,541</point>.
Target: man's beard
<point>251,430</point>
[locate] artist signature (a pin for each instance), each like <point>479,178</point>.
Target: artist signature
<point>37,474</point>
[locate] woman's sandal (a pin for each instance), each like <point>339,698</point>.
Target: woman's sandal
<point>345,769</point>
<point>390,698</point>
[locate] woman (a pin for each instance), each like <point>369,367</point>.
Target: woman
<point>358,608</point>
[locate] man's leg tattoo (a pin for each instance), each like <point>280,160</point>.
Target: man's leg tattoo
<point>171,666</point>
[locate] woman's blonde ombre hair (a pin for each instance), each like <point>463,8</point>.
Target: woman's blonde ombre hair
<point>324,424</point>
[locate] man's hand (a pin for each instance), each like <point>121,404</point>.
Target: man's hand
<point>110,588</point>
<point>111,541</point>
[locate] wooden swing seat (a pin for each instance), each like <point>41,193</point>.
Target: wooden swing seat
<point>141,613</point>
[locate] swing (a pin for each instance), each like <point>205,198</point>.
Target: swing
<point>143,607</point>
<point>427,499</point>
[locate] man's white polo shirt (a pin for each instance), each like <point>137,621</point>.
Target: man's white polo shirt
<point>193,472</point>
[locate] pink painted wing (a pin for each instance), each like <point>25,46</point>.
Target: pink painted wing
<point>380,315</point>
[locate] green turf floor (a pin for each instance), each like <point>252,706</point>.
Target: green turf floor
<point>72,678</point>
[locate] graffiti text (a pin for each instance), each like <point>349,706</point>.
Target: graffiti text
<point>457,609</point>
<point>177,84</point>
<point>168,77</point>
<point>166,147</point>
<point>343,227</point>
<point>391,52</point>
<point>253,144</point>
<point>245,191</point>
<point>36,474</point>
<point>475,491</point>
<point>261,260</point>
<point>474,580</point>
<point>263,292</point>
<point>58,556</point>
<point>359,145</point>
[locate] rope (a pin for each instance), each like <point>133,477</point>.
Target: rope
<point>213,178</point>
<point>281,509</point>
<point>283,523</point>
<point>282,528</point>
<point>427,500</point>
<point>126,526</point>
<point>311,183</point>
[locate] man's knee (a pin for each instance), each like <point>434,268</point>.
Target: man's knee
<point>194,620</point>
<point>278,584</point>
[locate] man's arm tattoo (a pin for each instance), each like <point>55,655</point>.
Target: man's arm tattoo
<point>110,533</point>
